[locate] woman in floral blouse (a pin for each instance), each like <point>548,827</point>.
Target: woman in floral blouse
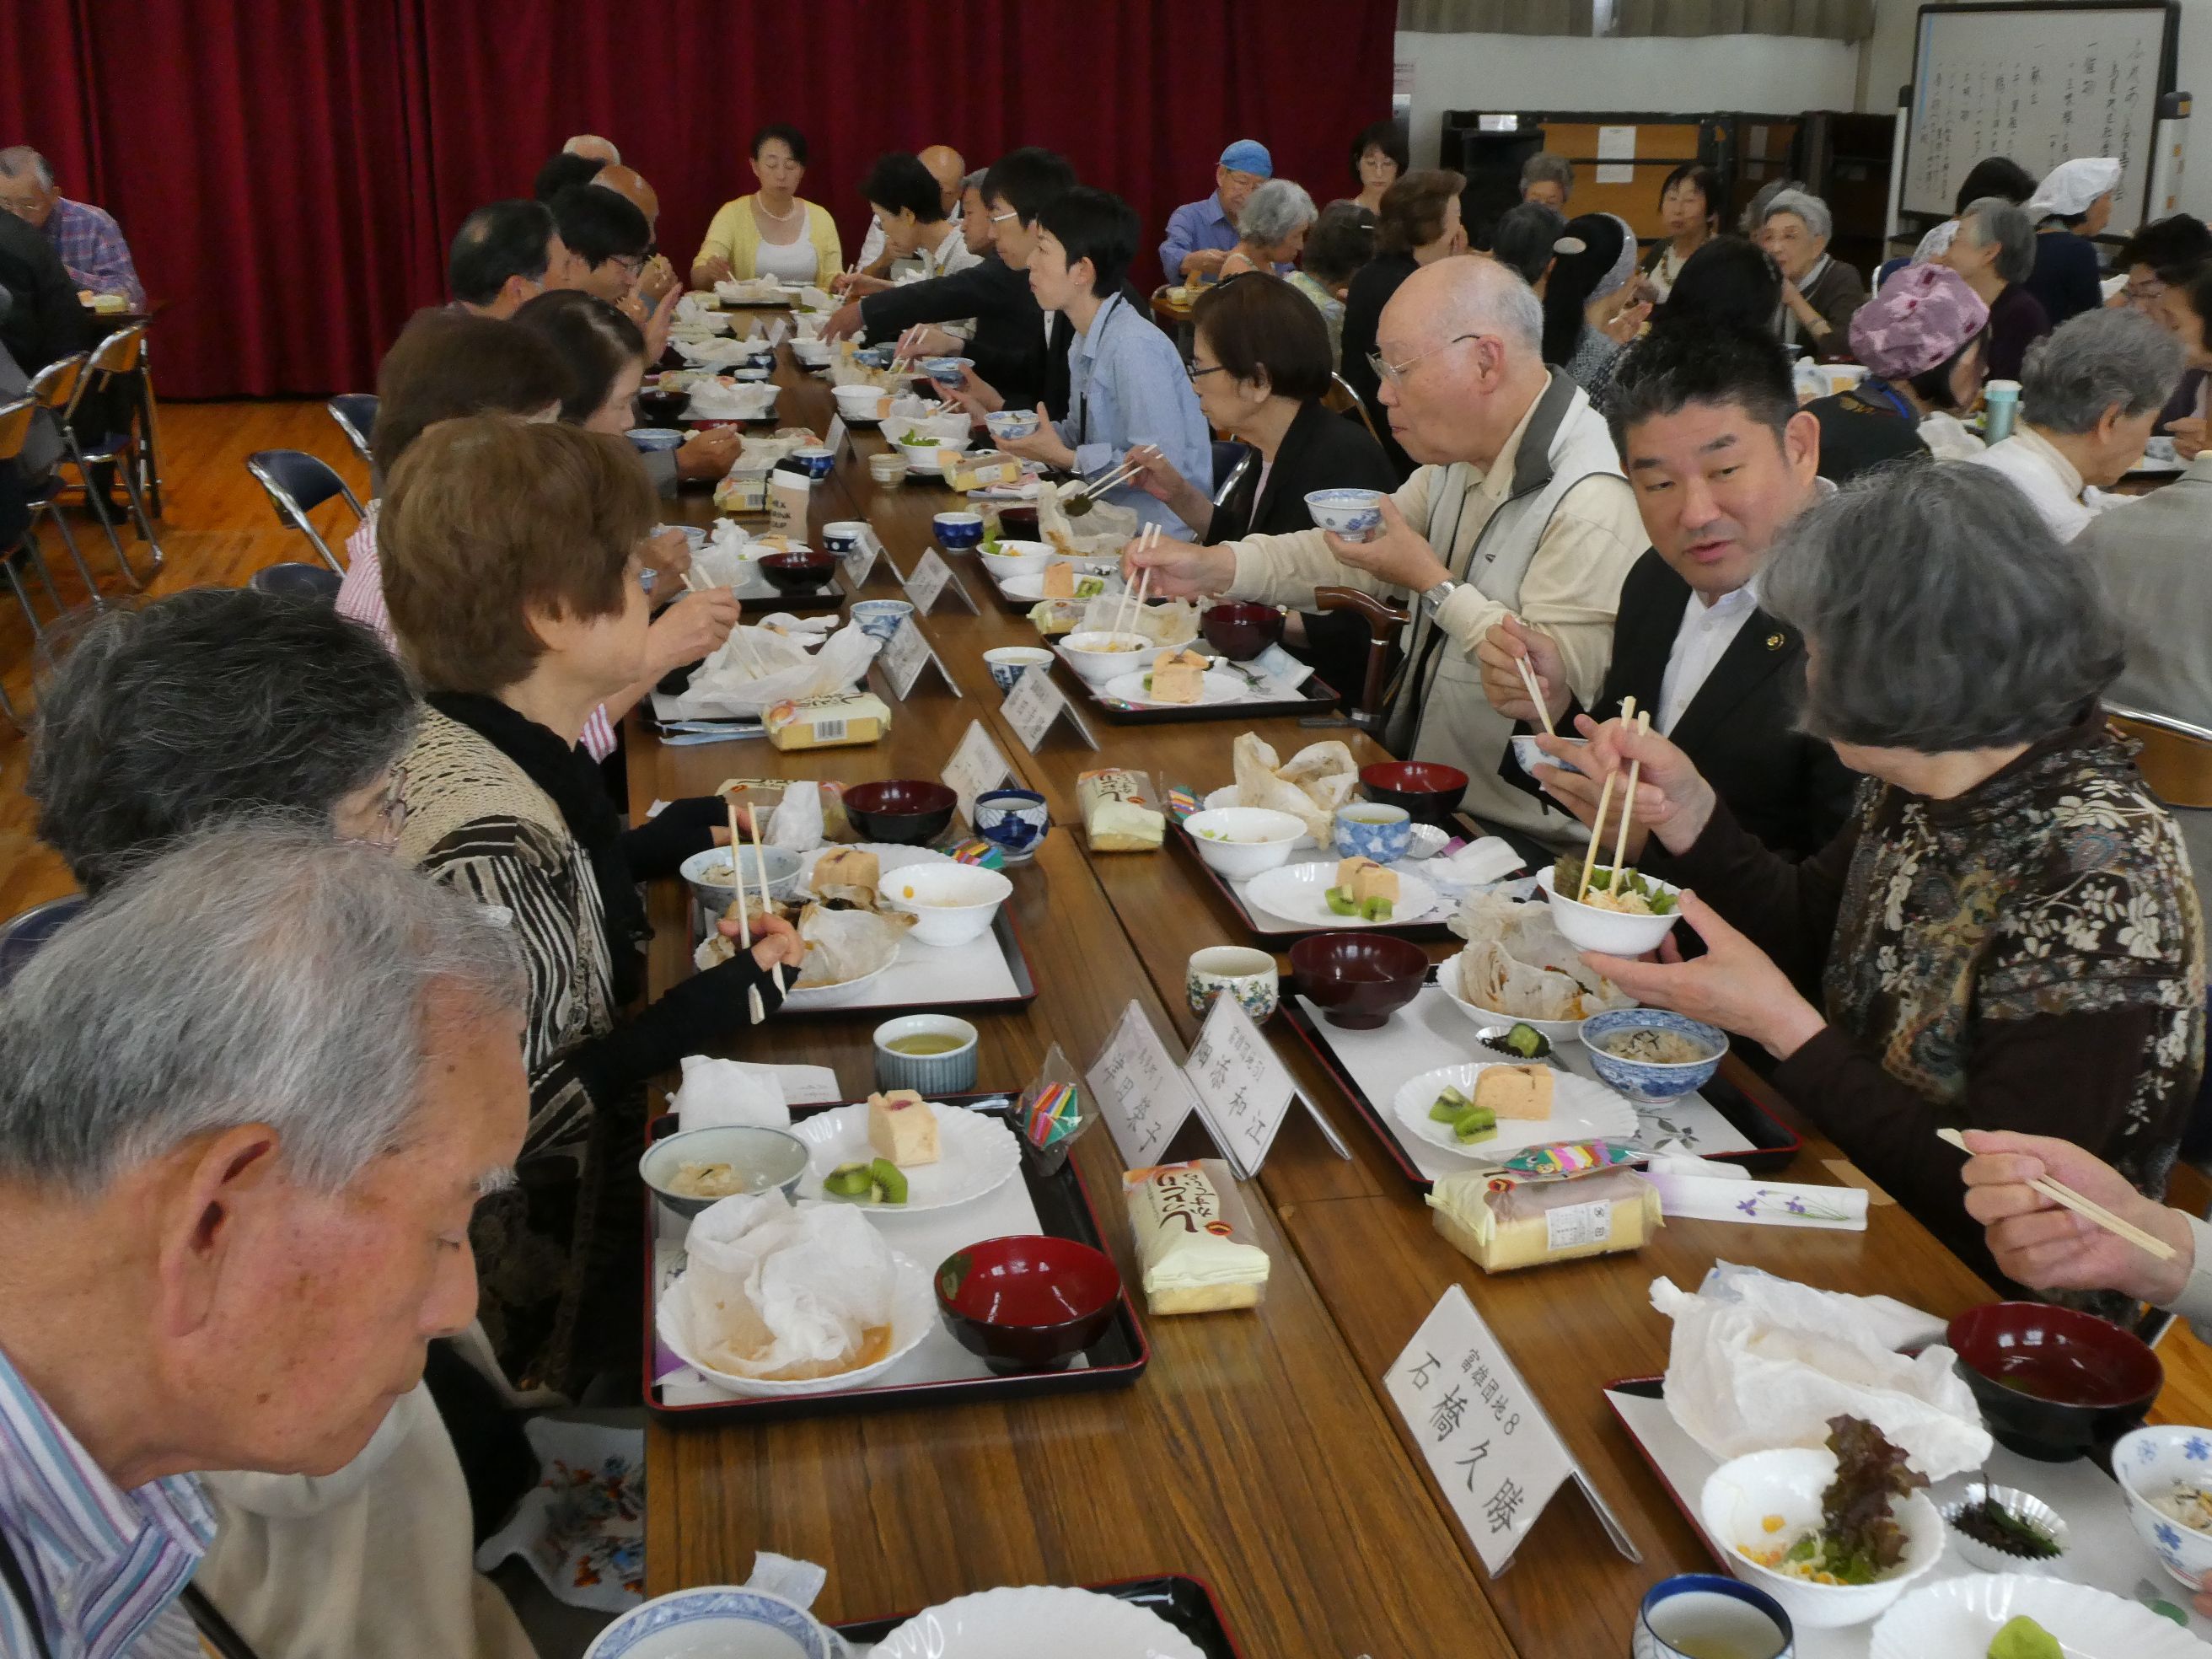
<point>2005,934</point>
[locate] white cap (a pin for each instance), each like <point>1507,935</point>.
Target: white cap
<point>2071,186</point>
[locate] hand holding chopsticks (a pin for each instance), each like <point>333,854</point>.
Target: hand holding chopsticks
<point>753,1006</point>
<point>2066,1198</point>
<point>1133,600</point>
<point>1597,824</point>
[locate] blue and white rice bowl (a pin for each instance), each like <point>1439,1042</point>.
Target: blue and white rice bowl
<point>724,1619</point>
<point>1652,1081</point>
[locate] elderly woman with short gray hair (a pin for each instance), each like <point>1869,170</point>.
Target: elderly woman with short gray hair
<point>1994,250</point>
<point>2089,395</point>
<point>1820,293</point>
<point>1271,232</point>
<point>2005,933</point>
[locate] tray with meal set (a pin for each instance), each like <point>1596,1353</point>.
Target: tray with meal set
<point>1145,665</point>
<point>1195,1628</point>
<point>904,1251</point>
<point>890,928</point>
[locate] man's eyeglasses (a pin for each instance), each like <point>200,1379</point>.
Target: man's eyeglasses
<point>1395,373</point>
<point>1196,373</point>
<point>1001,218</point>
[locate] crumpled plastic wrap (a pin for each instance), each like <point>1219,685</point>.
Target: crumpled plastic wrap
<point>781,1292</point>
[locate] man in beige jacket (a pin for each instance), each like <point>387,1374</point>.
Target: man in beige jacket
<point>1519,508</point>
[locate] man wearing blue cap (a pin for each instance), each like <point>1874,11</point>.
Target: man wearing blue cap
<point>1200,233</point>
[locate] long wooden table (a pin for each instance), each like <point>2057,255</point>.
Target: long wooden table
<point>1258,1451</point>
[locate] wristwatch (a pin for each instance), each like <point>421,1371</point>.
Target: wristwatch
<point>1432,600</point>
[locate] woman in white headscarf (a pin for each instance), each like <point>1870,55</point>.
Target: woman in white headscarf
<point>1590,309</point>
<point>2073,203</point>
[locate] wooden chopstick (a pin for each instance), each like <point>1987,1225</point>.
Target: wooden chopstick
<point>1628,804</point>
<point>760,865</point>
<point>1119,476</point>
<point>1536,694</point>
<point>2060,1194</point>
<point>1597,825</point>
<point>753,1005</point>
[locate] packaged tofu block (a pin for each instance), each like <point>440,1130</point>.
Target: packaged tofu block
<point>1193,1238</point>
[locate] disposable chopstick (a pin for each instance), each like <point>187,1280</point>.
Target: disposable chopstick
<point>1133,599</point>
<point>1536,694</point>
<point>1628,803</point>
<point>1597,825</point>
<point>753,1006</point>
<point>2060,1194</point>
<point>1120,475</point>
<point>760,868</point>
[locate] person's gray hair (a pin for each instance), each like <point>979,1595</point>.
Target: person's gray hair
<point>1754,211</point>
<point>1275,210</point>
<point>18,158</point>
<point>258,974</point>
<point>1806,205</point>
<point>1993,219</point>
<point>2094,361</point>
<point>1546,167</point>
<point>1486,297</point>
<point>1940,613</point>
<point>974,181</point>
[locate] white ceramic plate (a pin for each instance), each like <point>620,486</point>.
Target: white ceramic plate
<point>1022,1622</point>
<point>889,857</point>
<point>1029,590</point>
<point>1295,893</point>
<point>975,1155</point>
<point>1226,796</point>
<point>1216,687</point>
<point>914,1317</point>
<point>1581,1110</point>
<point>716,1618</point>
<point>1958,1618</point>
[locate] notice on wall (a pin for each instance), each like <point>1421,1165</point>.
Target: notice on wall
<point>1616,147</point>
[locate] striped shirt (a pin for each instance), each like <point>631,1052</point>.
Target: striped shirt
<point>361,596</point>
<point>94,251</point>
<point>105,1566</point>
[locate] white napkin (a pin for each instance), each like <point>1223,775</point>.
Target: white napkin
<point>796,824</point>
<point>815,1275</point>
<point>1758,1362</point>
<point>1475,864</point>
<point>718,1093</point>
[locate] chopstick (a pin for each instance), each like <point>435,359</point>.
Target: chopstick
<point>1628,802</point>
<point>745,922</point>
<point>1597,826</point>
<point>1120,475</point>
<point>1133,600</point>
<point>760,868</point>
<point>2060,1194</point>
<point>1536,694</point>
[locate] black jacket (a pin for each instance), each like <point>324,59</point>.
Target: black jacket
<point>1009,346</point>
<point>1320,452</point>
<point>1788,789</point>
<point>45,320</point>
<point>1369,292</point>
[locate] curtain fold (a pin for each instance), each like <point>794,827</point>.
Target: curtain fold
<point>289,171</point>
<point>1826,19</point>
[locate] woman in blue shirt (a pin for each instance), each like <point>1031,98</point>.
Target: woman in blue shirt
<point>1127,383</point>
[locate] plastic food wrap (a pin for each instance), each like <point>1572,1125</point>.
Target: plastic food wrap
<point>1194,1237</point>
<point>1499,1223</point>
<point>1120,812</point>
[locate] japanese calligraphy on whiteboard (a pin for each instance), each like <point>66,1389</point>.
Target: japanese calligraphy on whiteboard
<point>1482,1432</point>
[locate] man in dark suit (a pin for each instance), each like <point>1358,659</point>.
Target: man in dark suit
<point>1721,460</point>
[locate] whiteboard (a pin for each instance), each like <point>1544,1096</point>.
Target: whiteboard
<point>2042,84</point>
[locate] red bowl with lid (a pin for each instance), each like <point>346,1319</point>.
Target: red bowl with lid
<point>1429,792</point>
<point>2054,1382</point>
<point>1027,1303</point>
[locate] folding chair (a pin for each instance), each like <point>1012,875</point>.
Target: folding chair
<point>1231,461</point>
<point>297,484</point>
<point>1341,399</point>
<point>296,581</point>
<point>118,357</point>
<point>356,414</point>
<point>1384,624</point>
<point>54,388</point>
<point>23,934</point>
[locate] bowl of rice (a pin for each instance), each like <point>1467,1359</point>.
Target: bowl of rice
<point>1651,1054</point>
<point>2166,1473</point>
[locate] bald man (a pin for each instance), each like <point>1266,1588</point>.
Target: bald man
<point>1519,508</point>
<point>945,166</point>
<point>593,147</point>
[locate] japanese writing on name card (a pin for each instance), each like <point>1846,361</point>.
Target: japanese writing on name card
<point>857,561</point>
<point>929,580</point>
<point>835,441</point>
<point>905,654</point>
<point>1243,1093</point>
<point>1143,1096</point>
<point>1035,703</point>
<point>1487,1439</point>
<point>976,767</point>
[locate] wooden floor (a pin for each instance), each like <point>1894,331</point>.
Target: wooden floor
<point>218,529</point>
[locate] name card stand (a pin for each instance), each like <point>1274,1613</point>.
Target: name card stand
<point>860,560</point>
<point>1036,705</point>
<point>904,657</point>
<point>1244,1092</point>
<point>930,579</point>
<point>1144,1096</point>
<point>1487,1439</point>
<point>976,768</point>
<point>835,440</point>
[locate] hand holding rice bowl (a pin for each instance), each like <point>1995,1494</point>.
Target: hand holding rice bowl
<point>1604,929</point>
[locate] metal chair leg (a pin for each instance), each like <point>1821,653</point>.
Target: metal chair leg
<point>99,507</point>
<point>23,598</point>
<point>145,524</point>
<point>30,550</point>
<point>69,541</point>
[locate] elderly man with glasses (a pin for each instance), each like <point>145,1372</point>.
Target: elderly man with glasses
<point>1518,508</point>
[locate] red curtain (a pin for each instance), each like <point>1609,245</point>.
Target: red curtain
<point>289,172</point>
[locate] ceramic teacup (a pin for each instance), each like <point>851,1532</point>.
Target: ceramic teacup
<point>948,1073</point>
<point>1367,830</point>
<point>1015,821</point>
<point>1249,976</point>
<point>1008,663</point>
<point>879,618</point>
<point>844,536</point>
<point>1702,1612</point>
<point>959,531</point>
<point>814,461</point>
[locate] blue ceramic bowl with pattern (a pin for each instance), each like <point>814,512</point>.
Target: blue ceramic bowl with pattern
<point>1015,821</point>
<point>948,371</point>
<point>1354,515</point>
<point>958,532</point>
<point>2151,1463</point>
<point>1011,422</point>
<point>717,1619</point>
<point>1651,1081</point>
<point>876,357</point>
<point>1369,829</point>
<point>814,461</point>
<point>879,618</point>
<point>650,438</point>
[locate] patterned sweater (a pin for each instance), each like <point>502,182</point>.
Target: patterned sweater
<point>2028,955</point>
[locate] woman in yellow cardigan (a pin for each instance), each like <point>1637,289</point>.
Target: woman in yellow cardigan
<point>774,232</point>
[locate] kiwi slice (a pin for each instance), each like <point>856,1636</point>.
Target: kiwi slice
<point>1449,1106</point>
<point>1341,902</point>
<point>1475,1124</point>
<point>849,1180</point>
<point>1375,909</point>
<point>889,1180</point>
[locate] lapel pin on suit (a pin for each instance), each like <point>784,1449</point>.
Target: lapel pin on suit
<point>1776,641</point>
